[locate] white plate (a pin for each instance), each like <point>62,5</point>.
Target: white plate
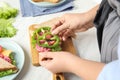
<point>19,56</point>
<point>47,4</point>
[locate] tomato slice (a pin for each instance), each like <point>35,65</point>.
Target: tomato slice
<point>1,48</point>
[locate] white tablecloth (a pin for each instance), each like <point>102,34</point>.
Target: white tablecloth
<point>85,43</point>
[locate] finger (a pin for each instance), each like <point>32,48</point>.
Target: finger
<point>72,34</point>
<point>66,34</point>
<point>45,63</point>
<point>46,55</point>
<point>62,32</point>
<point>60,28</point>
<point>59,22</point>
<point>44,58</point>
<point>82,29</point>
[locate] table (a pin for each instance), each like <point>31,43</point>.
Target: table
<point>30,72</point>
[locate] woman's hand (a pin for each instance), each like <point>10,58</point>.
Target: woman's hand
<point>74,22</point>
<point>71,23</point>
<point>57,61</point>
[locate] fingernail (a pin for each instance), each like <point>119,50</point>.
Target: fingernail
<point>63,38</point>
<point>40,53</point>
<point>53,32</point>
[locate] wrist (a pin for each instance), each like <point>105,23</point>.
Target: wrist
<point>91,13</point>
<point>88,70</point>
<point>73,64</point>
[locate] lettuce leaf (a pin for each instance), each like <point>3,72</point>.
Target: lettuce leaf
<point>6,28</point>
<point>5,73</point>
<point>11,56</point>
<point>6,11</point>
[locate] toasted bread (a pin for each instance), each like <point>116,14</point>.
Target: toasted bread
<point>52,1</point>
<point>4,65</point>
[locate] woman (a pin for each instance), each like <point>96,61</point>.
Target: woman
<point>107,22</point>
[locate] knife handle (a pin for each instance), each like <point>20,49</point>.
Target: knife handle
<point>58,76</point>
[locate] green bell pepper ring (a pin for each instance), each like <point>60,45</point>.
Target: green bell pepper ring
<point>41,33</point>
<point>36,34</point>
<point>46,44</point>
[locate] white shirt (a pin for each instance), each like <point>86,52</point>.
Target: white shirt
<point>111,71</point>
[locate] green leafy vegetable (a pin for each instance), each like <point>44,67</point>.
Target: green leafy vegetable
<point>6,28</point>
<point>6,11</point>
<point>43,38</point>
<point>7,72</point>
<point>12,58</point>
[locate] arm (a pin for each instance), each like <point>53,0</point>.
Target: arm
<point>92,13</point>
<point>86,69</point>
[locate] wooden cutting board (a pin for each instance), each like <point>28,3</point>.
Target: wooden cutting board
<point>66,46</point>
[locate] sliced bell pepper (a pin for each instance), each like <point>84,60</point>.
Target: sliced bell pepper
<point>44,38</point>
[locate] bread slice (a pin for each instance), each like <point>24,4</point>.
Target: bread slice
<point>4,65</point>
<point>52,1</point>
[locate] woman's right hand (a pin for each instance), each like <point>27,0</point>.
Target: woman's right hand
<point>70,23</point>
<point>74,22</point>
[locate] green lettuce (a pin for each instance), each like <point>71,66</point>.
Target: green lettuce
<point>6,28</point>
<point>6,11</point>
<point>5,73</point>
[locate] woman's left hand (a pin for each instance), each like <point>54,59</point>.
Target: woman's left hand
<point>57,61</point>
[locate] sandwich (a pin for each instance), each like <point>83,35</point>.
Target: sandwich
<point>52,1</point>
<point>38,44</point>
<point>7,62</point>
<point>44,41</point>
